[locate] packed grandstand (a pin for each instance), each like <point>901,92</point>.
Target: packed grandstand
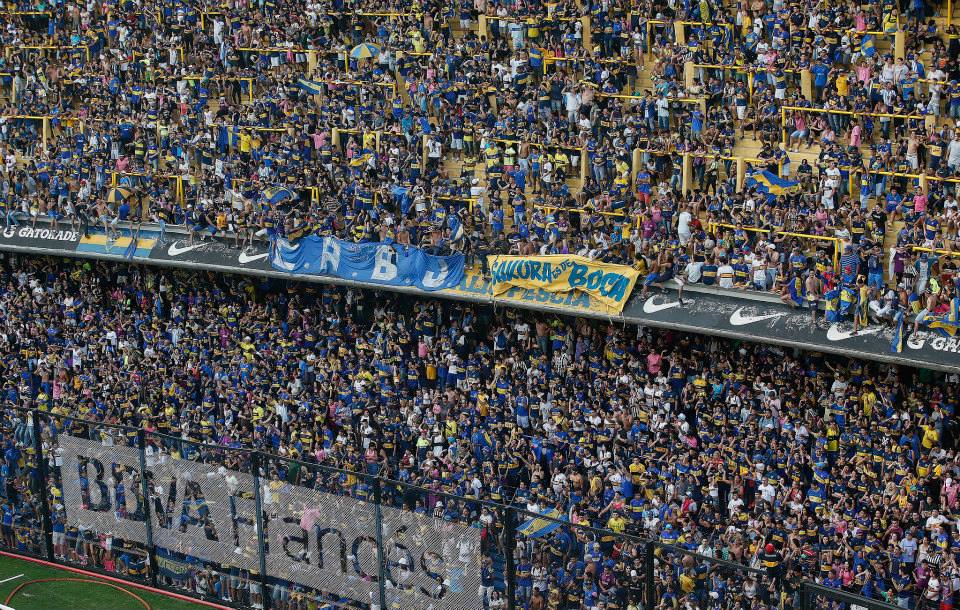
<point>261,441</point>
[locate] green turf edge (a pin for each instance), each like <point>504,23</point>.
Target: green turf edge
<point>108,599</point>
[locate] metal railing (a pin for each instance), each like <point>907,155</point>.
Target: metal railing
<point>158,506</point>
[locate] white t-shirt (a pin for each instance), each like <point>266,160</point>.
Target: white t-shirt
<point>725,275</point>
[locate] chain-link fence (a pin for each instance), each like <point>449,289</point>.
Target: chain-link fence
<point>23,526</point>
<point>96,502</point>
<point>251,529</point>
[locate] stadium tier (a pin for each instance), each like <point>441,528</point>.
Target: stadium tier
<point>398,452</point>
<point>257,441</point>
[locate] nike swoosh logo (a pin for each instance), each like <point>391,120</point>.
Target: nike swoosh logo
<point>650,307</point>
<point>835,334</point>
<point>738,319</point>
<point>176,250</point>
<point>245,258</point>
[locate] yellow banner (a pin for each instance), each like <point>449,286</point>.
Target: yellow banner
<point>608,285</point>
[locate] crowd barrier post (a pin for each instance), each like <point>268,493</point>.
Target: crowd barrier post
<point>784,130</point>
<point>680,33</point>
<point>687,182</point>
<point>587,32</point>
<point>649,585</point>
<point>46,132</point>
<point>145,490</point>
<point>261,542</point>
<point>741,172</point>
<point>510,545</point>
<point>482,26</point>
<point>806,84</point>
<point>42,475</point>
<point>636,164</point>
<point>804,596</point>
<point>381,549</point>
<point>899,44</point>
<point>689,74</point>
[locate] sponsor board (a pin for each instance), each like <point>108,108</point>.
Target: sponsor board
<point>926,340</point>
<point>40,237</point>
<point>720,315</point>
<point>213,253</point>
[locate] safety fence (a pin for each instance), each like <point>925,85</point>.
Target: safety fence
<point>832,245</point>
<point>250,529</point>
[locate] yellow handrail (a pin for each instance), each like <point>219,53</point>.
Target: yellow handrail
<point>836,241</point>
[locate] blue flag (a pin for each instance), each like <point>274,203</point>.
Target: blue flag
<point>538,527</point>
<point>456,227</point>
<point>896,345</point>
<point>769,183</point>
<point>310,86</point>
<point>832,305</point>
<point>867,47</point>
<point>948,324</point>
<point>131,248</point>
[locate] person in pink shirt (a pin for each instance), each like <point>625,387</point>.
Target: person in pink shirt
<point>654,362</point>
<point>919,201</point>
<point>855,133</point>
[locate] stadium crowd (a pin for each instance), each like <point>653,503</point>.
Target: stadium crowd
<point>797,464</point>
<point>513,132</point>
<point>253,120</point>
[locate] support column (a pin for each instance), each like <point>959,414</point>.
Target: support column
<point>679,33</point>
<point>587,33</point>
<point>381,550</point>
<point>806,84</point>
<point>687,183</point>
<point>741,172</point>
<point>649,578</point>
<point>145,490</point>
<point>265,593</point>
<point>689,74</point>
<point>510,544</point>
<point>899,44</point>
<point>635,166</point>
<point>47,523</point>
<point>46,132</point>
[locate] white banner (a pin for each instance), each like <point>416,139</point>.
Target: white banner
<point>315,539</point>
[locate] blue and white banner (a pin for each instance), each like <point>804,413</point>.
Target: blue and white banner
<point>390,264</point>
